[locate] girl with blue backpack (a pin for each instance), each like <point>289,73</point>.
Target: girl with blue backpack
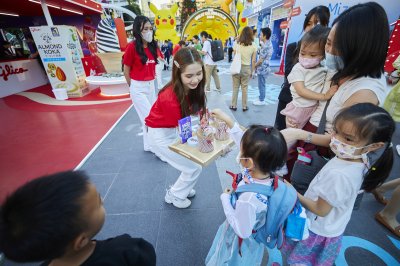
<point>361,141</point>
<point>262,151</point>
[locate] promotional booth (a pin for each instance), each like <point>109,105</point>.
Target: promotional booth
<point>55,52</point>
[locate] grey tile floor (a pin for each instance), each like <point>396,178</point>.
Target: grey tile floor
<point>133,183</point>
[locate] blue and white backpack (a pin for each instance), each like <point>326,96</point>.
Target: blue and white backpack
<point>281,202</point>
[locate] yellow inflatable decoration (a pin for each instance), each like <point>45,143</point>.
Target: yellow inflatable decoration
<point>165,23</point>
<point>243,22</point>
<point>214,21</point>
<point>224,4</point>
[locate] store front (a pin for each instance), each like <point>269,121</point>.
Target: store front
<point>21,67</point>
<point>20,75</point>
<point>270,13</point>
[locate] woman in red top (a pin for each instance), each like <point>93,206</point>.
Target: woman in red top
<point>140,61</point>
<point>184,95</point>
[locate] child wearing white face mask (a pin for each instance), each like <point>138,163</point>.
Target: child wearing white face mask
<point>307,79</point>
<point>262,151</point>
<point>362,144</point>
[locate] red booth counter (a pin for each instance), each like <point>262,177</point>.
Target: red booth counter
<point>18,75</point>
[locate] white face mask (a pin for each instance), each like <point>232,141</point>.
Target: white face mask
<point>333,62</point>
<point>346,151</point>
<point>148,36</point>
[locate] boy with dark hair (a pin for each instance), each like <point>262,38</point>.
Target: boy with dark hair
<point>55,217</point>
<point>262,65</point>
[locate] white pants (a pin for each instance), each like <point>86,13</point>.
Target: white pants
<point>159,68</point>
<point>143,97</point>
<point>159,139</point>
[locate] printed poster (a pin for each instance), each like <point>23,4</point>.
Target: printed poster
<point>61,54</point>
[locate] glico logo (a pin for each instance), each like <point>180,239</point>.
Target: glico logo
<point>8,70</point>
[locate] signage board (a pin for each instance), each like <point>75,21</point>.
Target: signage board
<point>61,54</point>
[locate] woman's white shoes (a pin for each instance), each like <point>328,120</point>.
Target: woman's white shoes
<point>177,202</point>
<point>192,193</point>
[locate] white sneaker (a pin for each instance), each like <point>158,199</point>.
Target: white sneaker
<point>398,149</point>
<point>177,202</point>
<point>215,89</point>
<point>192,193</point>
<point>258,102</point>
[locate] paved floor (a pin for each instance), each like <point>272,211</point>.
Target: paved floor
<point>133,183</point>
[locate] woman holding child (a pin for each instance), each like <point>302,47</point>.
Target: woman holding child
<point>184,95</point>
<point>357,57</point>
<point>319,15</point>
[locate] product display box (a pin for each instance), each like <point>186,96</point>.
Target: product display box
<point>193,153</point>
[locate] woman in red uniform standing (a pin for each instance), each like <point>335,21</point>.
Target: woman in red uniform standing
<point>140,61</point>
<point>183,96</point>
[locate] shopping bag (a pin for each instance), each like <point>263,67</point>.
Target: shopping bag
<point>236,63</point>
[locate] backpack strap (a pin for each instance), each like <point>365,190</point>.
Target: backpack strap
<point>256,188</point>
<point>236,178</point>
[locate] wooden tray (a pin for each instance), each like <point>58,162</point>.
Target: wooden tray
<point>193,153</point>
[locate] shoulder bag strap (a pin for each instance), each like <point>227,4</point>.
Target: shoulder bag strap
<point>322,122</point>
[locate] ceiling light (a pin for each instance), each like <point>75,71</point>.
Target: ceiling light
<point>72,11</point>
<point>38,2</point>
<point>9,14</point>
<point>58,7</point>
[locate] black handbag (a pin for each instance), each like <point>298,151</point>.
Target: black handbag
<point>303,174</point>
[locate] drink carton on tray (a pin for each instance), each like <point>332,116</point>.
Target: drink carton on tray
<point>193,153</point>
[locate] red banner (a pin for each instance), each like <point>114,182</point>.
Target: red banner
<point>283,25</point>
<point>295,11</point>
<point>288,3</point>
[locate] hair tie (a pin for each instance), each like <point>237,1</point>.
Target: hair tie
<point>176,64</point>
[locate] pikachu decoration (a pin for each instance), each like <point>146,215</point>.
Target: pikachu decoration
<point>224,4</point>
<point>165,23</point>
<point>242,22</point>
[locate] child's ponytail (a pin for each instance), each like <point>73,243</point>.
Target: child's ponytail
<point>374,124</point>
<point>380,170</point>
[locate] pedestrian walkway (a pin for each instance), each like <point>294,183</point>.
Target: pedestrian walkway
<point>133,183</point>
